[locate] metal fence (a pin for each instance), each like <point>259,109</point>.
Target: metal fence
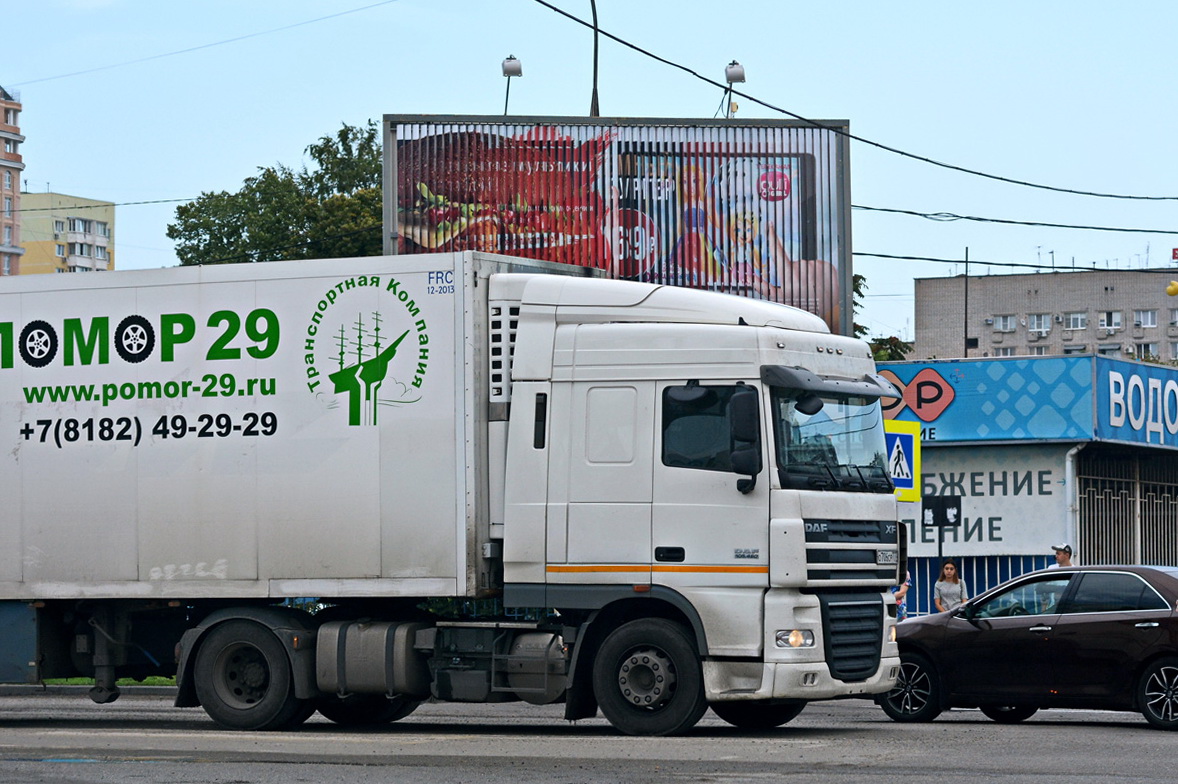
<point>979,572</point>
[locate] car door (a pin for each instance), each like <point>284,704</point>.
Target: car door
<point>1108,626</point>
<point>998,650</point>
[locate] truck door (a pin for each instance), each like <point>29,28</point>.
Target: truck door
<point>709,538</point>
<point>599,502</point>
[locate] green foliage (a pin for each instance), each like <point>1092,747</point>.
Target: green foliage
<point>890,349</point>
<point>330,210</point>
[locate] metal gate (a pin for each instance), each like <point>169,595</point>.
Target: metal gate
<point>1128,507</point>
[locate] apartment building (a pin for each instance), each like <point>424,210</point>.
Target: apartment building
<point>11,167</point>
<point>67,234</point>
<point>1125,314</point>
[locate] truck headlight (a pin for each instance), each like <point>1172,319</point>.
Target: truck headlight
<point>795,638</point>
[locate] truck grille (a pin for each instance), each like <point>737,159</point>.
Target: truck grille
<point>852,625</point>
<point>847,550</point>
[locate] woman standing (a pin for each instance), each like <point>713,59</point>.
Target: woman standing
<point>950,592</point>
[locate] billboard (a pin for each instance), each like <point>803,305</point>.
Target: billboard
<point>754,209</point>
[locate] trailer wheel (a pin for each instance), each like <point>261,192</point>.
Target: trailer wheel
<point>757,715</point>
<point>243,679</point>
<point>647,679</point>
<point>360,709</point>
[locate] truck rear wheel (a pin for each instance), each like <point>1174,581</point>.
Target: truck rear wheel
<point>647,679</point>
<point>757,715</point>
<point>243,678</point>
<point>360,709</point>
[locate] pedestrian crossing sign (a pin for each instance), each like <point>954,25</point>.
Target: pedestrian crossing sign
<point>903,454</point>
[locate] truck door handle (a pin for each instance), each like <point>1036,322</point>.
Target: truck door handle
<point>1039,629</point>
<point>1147,625</point>
<point>675,554</point>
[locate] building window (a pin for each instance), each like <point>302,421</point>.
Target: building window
<point>1109,349</point>
<point>7,235</point>
<point>100,252</point>
<point>1110,319</point>
<point>7,180</point>
<point>1004,351</point>
<point>7,206</point>
<point>1067,350</point>
<point>9,116</point>
<point>1004,323</point>
<point>1147,351</point>
<point>80,249</point>
<point>1075,321</point>
<point>1039,322</point>
<point>1174,351</point>
<point>101,229</point>
<point>10,146</point>
<point>1145,318</point>
<point>59,226</point>
<point>1038,351</point>
<point>60,251</point>
<point>80,224</point>
<point>7,269</point>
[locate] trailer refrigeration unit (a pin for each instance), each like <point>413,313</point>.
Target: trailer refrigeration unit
<point>498,479</point>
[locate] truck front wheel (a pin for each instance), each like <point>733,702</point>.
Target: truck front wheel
<point>647,679</point>
<point>243,678</point>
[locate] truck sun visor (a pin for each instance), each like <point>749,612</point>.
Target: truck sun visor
<point>871,385</point>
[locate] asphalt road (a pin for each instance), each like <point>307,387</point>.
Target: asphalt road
<point>55,739</point>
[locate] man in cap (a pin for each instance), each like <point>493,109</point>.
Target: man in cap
<point>1063,555</point>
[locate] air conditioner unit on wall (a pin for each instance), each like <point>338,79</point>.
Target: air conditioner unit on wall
<point>989,321</point>
<point>1058,319</point>
<point>1109,330</point>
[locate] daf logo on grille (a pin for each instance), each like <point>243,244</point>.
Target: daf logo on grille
<point>817,528</point>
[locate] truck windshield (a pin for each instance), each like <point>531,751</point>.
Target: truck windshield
<point>839,447</point>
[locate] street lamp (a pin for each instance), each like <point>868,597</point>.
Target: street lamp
<point>511,67</point>
<point>733,73</point>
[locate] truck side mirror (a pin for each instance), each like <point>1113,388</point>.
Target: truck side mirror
<point>744,422</point>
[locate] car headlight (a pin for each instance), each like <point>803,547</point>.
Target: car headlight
<point>795,638</point>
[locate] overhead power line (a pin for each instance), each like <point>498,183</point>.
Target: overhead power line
<point>949,216</point>
<point>1058,267</point>
<point>847,134</point>
<point>202,46</point>
<point>60,207</point>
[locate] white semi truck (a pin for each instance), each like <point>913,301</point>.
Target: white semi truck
<point>492,479</point>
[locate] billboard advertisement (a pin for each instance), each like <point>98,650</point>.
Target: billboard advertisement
<point>754,209</point>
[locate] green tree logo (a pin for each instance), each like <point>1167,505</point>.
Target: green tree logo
<point>361,380</point>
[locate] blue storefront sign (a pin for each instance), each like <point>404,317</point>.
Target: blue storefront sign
<point>1038,399</point>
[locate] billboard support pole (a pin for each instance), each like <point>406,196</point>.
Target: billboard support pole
<point>593,108</point>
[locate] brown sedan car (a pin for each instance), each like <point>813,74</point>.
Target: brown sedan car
<point>1097,637</point>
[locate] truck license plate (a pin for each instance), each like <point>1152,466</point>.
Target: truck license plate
<point>885,556</point>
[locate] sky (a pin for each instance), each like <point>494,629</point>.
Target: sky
<point>147,101</point>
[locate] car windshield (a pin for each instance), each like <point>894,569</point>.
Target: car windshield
<point>840,446</point>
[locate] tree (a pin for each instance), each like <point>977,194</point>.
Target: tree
<point>889,349</point>
<point>330,210</point>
